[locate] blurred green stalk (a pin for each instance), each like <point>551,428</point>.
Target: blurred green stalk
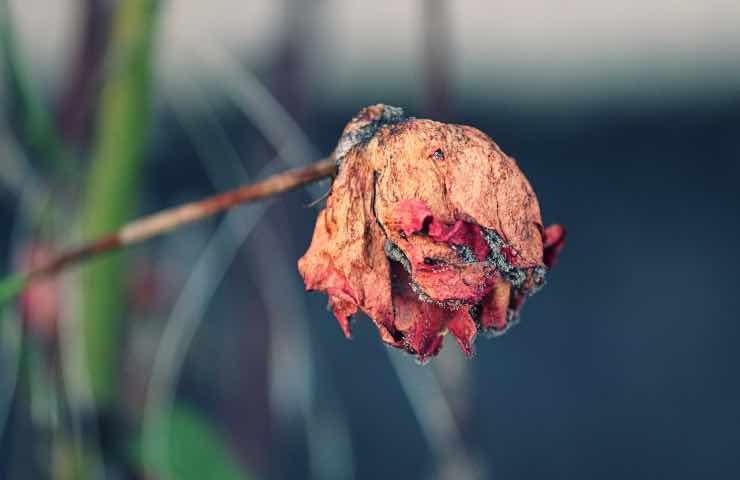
<point>112,186</point>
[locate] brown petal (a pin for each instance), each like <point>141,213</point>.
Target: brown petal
<point>464,329</point>
<point>343,310</point>
<point>420,323</point>
<point>494,314</point>
<point>346,257</point>
<point>486,186</point>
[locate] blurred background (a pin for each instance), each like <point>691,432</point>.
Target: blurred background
<point>198,355</point>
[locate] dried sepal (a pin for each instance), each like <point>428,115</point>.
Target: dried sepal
<point>429,228</point>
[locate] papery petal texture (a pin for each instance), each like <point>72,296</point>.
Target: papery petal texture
<point>429,229</point>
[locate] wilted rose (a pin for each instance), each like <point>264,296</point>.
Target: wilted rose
<point>429,228</point>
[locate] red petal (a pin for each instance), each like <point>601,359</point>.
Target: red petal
<point>343,310</point>
<point>420,323</point>
<point>554,241</point>
<point>467,284</point>
<point>461,233</point>
<point>447,277</point>
<point>342,299</point>
<point>463,328</point>
<point>411,215</point>
<point>494,314</point>
<point>332,282</point>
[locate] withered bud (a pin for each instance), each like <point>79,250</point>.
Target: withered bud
<point>429,228</point>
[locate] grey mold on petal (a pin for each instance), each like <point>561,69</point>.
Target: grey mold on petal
<point>393,252</point>
<point>465,253</point>
<point>517,277</point>
<point>391,115</point>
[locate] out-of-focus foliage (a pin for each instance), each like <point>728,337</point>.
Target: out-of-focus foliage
<point>183,446</point>
<point>35,124</point>
<point>9,288</point>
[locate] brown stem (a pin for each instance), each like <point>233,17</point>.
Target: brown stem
<point>172,218</point>
<point>82,88</point>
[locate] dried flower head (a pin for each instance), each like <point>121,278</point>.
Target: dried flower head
<point>429,228</point>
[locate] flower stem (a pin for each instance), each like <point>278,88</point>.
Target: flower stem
<point>167,220</point>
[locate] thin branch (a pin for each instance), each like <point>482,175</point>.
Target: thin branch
<point>172,218</point>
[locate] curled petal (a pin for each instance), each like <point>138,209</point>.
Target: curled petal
<point>411,216</point>
<point>554,241</point>
<point>343,311</point>
<point>495,308</point>
<point>461,234</point>
<point>463,327</point>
